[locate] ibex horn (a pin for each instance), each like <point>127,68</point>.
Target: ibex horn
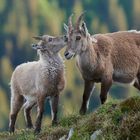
<point>38,37</point>
<point>70,23</point>
<point>79,19</point>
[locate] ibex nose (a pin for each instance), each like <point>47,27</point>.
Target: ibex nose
<point>65,38</point>
<point>66,54</point>
<point>34,46</point>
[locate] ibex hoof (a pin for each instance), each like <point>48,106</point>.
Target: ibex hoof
<point>11,130</point>
<point>54,123</point>
<point>37,131</point>
<point>29,126</point>
<point>103,100</point>
<point>82,111</point>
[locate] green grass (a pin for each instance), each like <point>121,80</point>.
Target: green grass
<point>117,121</point>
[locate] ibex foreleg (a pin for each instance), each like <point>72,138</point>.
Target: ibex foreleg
<point>88,88</point>
<point>105,86</point>
<point>54,108</point>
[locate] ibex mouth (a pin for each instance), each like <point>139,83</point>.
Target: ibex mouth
<point>38,47</point>
<point>68,57</point>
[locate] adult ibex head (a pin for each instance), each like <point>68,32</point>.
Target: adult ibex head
<point>78,37</point>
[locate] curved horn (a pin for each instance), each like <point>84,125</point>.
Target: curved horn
<point>70,23</point>
<point>38,37</point>
<point>79,19</point>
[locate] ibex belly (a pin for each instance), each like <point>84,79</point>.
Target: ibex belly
<point>125,67</point>
<point>91,74</point>
<point>124,77</point>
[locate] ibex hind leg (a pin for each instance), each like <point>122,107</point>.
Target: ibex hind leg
<point>137,82</point>
<point>16,104</point>
<point>105,86</point>
<point>27,114</point>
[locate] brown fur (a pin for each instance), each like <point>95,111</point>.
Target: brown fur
<point>105,58</point>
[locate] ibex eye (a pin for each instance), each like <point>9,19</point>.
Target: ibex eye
<point>50,39</point>
<point>78,37</point>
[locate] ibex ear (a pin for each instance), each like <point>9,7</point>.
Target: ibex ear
<point>85,32</point>
<point>84,29</point>
<point>94,40</point>
<point>38,37</point>
<point>66,28</point>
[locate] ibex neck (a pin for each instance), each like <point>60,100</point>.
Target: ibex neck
<point>88,58</point>
<point>90,49</point>
<point>51,60</point>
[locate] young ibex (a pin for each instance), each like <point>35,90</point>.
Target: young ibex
<point>104,58</point>
<point>34,81</point>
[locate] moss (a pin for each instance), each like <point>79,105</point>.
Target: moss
<point>70,120</point>
<point>54,134</point>
<point>117,121</point>
<point>19,135</point>
<point>130,104</point>
<point>130,126</point>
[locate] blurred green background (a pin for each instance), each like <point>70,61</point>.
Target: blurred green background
<point>22,19</point>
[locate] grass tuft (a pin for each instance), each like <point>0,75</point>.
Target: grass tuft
<point>117,121</point>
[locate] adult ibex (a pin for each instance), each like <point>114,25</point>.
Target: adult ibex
<point>104,58</point>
